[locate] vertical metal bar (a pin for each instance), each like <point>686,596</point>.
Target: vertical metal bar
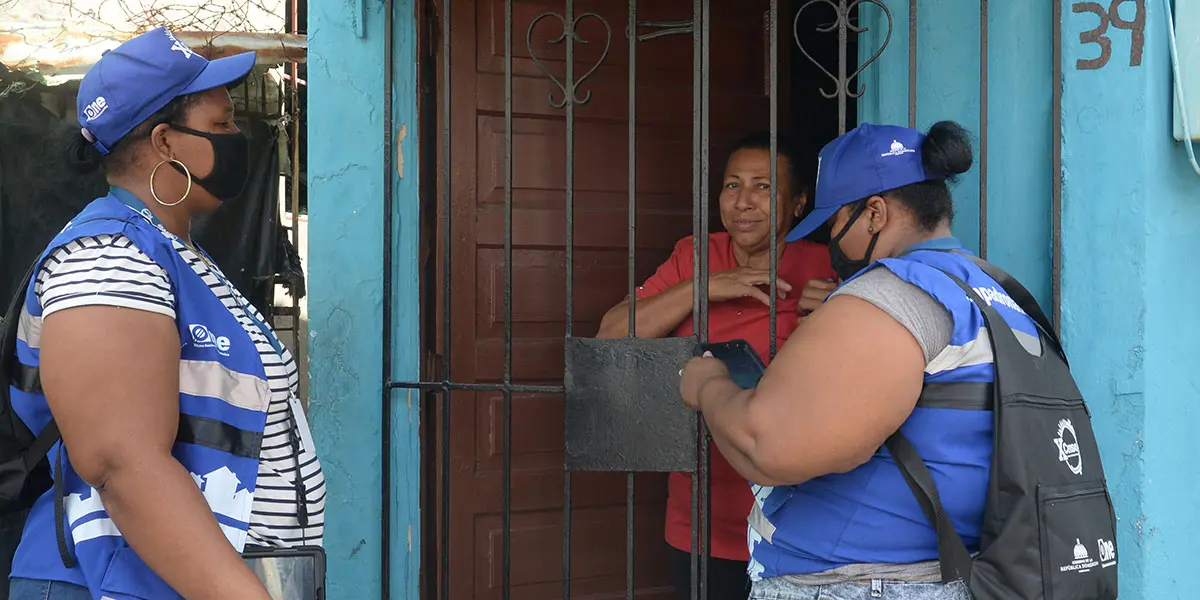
<point>983,128</point>
<point>386,400</point>
<point>630,548</point>
<point>506,491</point>
<point>447,331</point>
<point>1056,167</point>
<point>569,98</point>
<point>773,92</point>
<point>843,22</point>
<point>295,168</point>
<point>700,275</point>
<point>702,316</point>
<point>912,63</point>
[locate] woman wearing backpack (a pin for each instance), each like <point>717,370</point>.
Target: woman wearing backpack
<point>183,442</point>
<point>833,515</point>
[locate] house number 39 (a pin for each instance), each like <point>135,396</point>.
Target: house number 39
<point>1112,16</point>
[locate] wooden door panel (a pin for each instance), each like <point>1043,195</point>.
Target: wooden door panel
<point>597,563</point>
<point>664,139</point>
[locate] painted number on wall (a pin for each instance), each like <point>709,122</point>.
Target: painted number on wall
<point>1112,16</point>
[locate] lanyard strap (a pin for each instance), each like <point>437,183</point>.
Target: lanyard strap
<point>136,205</point>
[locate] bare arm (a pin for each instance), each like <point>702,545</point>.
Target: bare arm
<point>657,316</point>
<point>827,402</point>
<point>111,377</point>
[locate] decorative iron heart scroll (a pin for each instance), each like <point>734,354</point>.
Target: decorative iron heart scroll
<point>842,12</point>
<point>569,28</point>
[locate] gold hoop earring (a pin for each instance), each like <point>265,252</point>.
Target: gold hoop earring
<point>187,175</point>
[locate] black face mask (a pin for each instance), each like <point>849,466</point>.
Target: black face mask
<point>231,163</point>
<point>844,266</point>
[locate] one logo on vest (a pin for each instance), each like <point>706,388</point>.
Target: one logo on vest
<point>203,338</point>
<point>1082,561</point>
<point>1068,447</point>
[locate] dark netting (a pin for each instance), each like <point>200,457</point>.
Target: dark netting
<point>38,195</point>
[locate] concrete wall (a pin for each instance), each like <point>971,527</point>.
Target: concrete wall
<point>1131,225</point>
<point>346,210</point>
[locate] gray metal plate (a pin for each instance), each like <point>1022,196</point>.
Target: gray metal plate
<point>623,411</point>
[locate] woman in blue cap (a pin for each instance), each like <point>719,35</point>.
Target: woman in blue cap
<point>183,443</point>
<point>897,346</point>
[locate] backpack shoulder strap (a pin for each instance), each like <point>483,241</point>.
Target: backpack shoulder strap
<point>952,552</point>
<point>1022,297</point>
<point>22,377</point>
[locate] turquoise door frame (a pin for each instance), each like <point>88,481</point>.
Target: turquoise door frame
<point>347,100</point>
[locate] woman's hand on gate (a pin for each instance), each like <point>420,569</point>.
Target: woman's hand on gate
<point>744,282</point>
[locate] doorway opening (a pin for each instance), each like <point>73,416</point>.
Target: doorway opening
<point>544,127</point>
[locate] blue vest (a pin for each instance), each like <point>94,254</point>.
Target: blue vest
<point>223,402</point>
<point>869,515</point>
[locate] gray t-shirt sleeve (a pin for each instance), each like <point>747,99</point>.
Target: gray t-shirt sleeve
<point>923,316</point>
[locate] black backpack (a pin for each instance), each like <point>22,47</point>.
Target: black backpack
<point>1049,529</point>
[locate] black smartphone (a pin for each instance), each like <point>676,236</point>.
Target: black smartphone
<point>291,574</point>
<point>744,364</point>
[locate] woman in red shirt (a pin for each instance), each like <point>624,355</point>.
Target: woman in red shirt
<point>739,262</point>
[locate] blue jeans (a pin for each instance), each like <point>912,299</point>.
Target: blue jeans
<point>33,589</point>
<point>778,588</point>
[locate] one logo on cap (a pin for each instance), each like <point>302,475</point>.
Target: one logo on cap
<point>179,46</point>
<point>93,111</point>
<point>897,149</point>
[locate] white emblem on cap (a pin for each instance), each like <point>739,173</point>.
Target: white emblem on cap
<point>179,46</point>
<point>897,149</point>
<point>92,111</point>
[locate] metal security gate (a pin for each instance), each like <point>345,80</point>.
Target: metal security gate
<point>506,121</point>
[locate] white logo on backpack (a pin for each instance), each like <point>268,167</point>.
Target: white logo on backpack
<point>1068,447</point>
<point>1082,562</point>
<point>1108,553</point>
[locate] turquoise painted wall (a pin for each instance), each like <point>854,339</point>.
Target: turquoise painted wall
<point>1020,79</point>
<point>1131,225</point>
<point>346,207</point>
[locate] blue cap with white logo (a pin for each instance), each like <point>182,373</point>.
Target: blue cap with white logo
<point>865,161</point>
<point>138,78</point>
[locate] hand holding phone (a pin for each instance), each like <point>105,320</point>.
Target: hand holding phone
<point>744,364</point>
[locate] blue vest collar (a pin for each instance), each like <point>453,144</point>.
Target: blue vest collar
<point>942,243</point>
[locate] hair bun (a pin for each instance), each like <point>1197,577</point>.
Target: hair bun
<point>946,151</point>
<point>82,157</point>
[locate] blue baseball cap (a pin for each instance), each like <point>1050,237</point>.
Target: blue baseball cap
<point>140,77</point>
<point>865,161</point>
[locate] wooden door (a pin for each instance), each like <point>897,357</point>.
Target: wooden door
<point>739,104</point>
